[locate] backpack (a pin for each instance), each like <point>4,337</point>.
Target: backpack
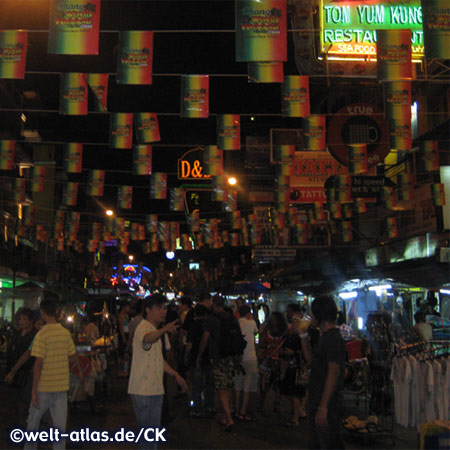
<point>232,341</point>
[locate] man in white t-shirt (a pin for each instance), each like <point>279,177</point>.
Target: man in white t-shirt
<point>247,378</point>
<point>148,366</point>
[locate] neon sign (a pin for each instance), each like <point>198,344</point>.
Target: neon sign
<point>190,166</point>
<point>349,28</point>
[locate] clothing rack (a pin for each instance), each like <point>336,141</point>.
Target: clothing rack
<point>431,348</point>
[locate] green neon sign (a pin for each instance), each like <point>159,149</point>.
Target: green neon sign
<point>348,28</point>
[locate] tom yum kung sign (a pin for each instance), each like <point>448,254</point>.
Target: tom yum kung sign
<point>348,28</point>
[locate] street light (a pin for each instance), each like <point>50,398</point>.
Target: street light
<point>232,181</point>
<point>109,212</point>
<point>130,257</point>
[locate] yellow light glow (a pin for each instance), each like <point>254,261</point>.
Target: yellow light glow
<point>232,181</point>
<point>130,257</point>
<point>109,212</point>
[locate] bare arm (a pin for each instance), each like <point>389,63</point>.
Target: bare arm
<point>153,336</point>
<point>20,362</point>
<point>306,348</point>
<point>178,378</point>
<point>37,369</point>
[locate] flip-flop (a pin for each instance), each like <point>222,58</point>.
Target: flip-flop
<point>245,417</point>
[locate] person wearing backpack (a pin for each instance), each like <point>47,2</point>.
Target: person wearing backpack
<point>222,335</point>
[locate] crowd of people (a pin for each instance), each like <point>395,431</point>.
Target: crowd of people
<point>219,357</point>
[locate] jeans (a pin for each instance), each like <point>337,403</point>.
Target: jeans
<point>147,409</point>
<point>328,436</point>
<point>56,402</point>
<point>202,383</point>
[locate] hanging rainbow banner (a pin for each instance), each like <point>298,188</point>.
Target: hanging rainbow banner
<point>343,188</point>
<point>19,188</point>
<point>29,215</point>
<point>360,205</point>
<point>73,160</point>
<point>125,197</point>
<point>314,132</point>
<point>13,53</point>
<point>394,55</point>
<point>229,131</point>
<point>158,186</point>
<point>357,158</point>
<point>436,28</point>
<point>121,134</point>
<point>98,82</point>
<point>142,159</point>
<point>213,160</point>
<point>284,154</point>
<point>70,193</point>
<point>7,150</point>
<point>147,127</point>
<point>73,94</point>
<point>335,209</point>
<point>391,227</point>
<point>405,186</point>
<point>345,229</point>
<point>265,72</point>
<point>135,57</point>
<point>96,183</point>
<point>74,27</point>
<point>295,96</point>
<point>430,155</point>
<point>261,30</point>
<point>96,231</point>
<point>151,223</point>
<point>195,96</point>
<point>397,100</point>
<point>176,199</point>
<point>438,194</point>
<point>38,179</point>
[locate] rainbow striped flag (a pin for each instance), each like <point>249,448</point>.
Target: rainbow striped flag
<point>236,220</point>
<point>13,53</point>
<point>394,55</point>
<point>295,96</point>
<point>158,186</point>
<point>284,154</point>
<point>142,160</point>
<point>219,193</point>
<point>177,199</point>
<point>346,231</point>
<point>234,239</point>
<point>121,130</point>
<point>391,227</point>
<point>405,186</point>
<point>186,243</point>
<point>73,160</point>
<point>430,151</point>
<point>261,30</point>
<point>125,197</point>
<point>302,232</point>
<point>135,57</point>
<point>135,231</point>
<point>19,188</point>
<point>96,183</point>
<point>70,193</point>
<point>60,244</point>
<point>96,231</point>
<point>58,223</point>
<point>357,158</point>
<point>74,27</point>
<point>38,178</point>
<point>361,206</point>
<point>7,150</point>
<point>319,212</point>
<point>154,243</point>
<point>225,236</point>
<point>229,131</point>
<point>343,188</point>
<point>285,170</point>
<point>438,194</point>
<point>74,221</point>
<point>123,247</point>
<point>151,222</point>
<point>389,197</point>
<point>29,213</point>
<point>265,72</point>
<point>347,210</point>
<point>195,96</point>
<point>147,127</point>
<point>92,245</point>
<point>98,82</point>
<point>73,94</point>
<point>119,227</point>
<point>194,222</point>
<point>335,209</point>
<point>174,230</point>
<point>213,160</point>
<point>41,233</point>
<point>314,132</point>
<point>141,233</point>
<point>436,28</point>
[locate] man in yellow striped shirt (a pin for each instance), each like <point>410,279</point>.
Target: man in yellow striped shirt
<point>53,347</point>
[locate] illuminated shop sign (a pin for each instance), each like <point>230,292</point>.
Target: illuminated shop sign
<point>190,166</point>
<point>348,28</point>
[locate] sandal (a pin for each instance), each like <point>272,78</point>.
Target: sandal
<point>245,417</point>
<point>291,423</point>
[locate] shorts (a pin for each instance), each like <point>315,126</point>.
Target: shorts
<point>249,381</point>
<point>224,371</point>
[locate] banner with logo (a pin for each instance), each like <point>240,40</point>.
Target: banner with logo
<point>343,188</point>
<point>335,209</point>
<point>261,30</point>
<point>135,57</point>
<point>389,197</point>
<point>58,223</point>
<point>70,194</point>
<point>73,160</point>
<point>357,158</point>
<point>151,223</point>
<point>436,28</point>
<point>158,186</point>
<point>314,132</point>
<point>96,183</point>
<point>177,199</point>
<point>295,96</point>
<point>430,155</point>
<point>229,131</point>
<point>19,189</point>
<point>98,82</point>
<point>195,96</point>
<point>147,127</point>
<point>194,221</point>
<point>265,72</point>
<point>213,160</point>
<point>73,94</point>
<point>360,205</point>
<point>438,194</point>
<point>7,150</point>
<point>125,197</point>
<point>405,186</point>
<point>397,101</point>
<point>284,155</point>
<point>38,178</point>
<point>74,27</point>
<point>346,232</point>
<point>121,131</point>
<point>142,159</point>
<point>391,227</point>
<point>13,53</point>
<point>394,55</point>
